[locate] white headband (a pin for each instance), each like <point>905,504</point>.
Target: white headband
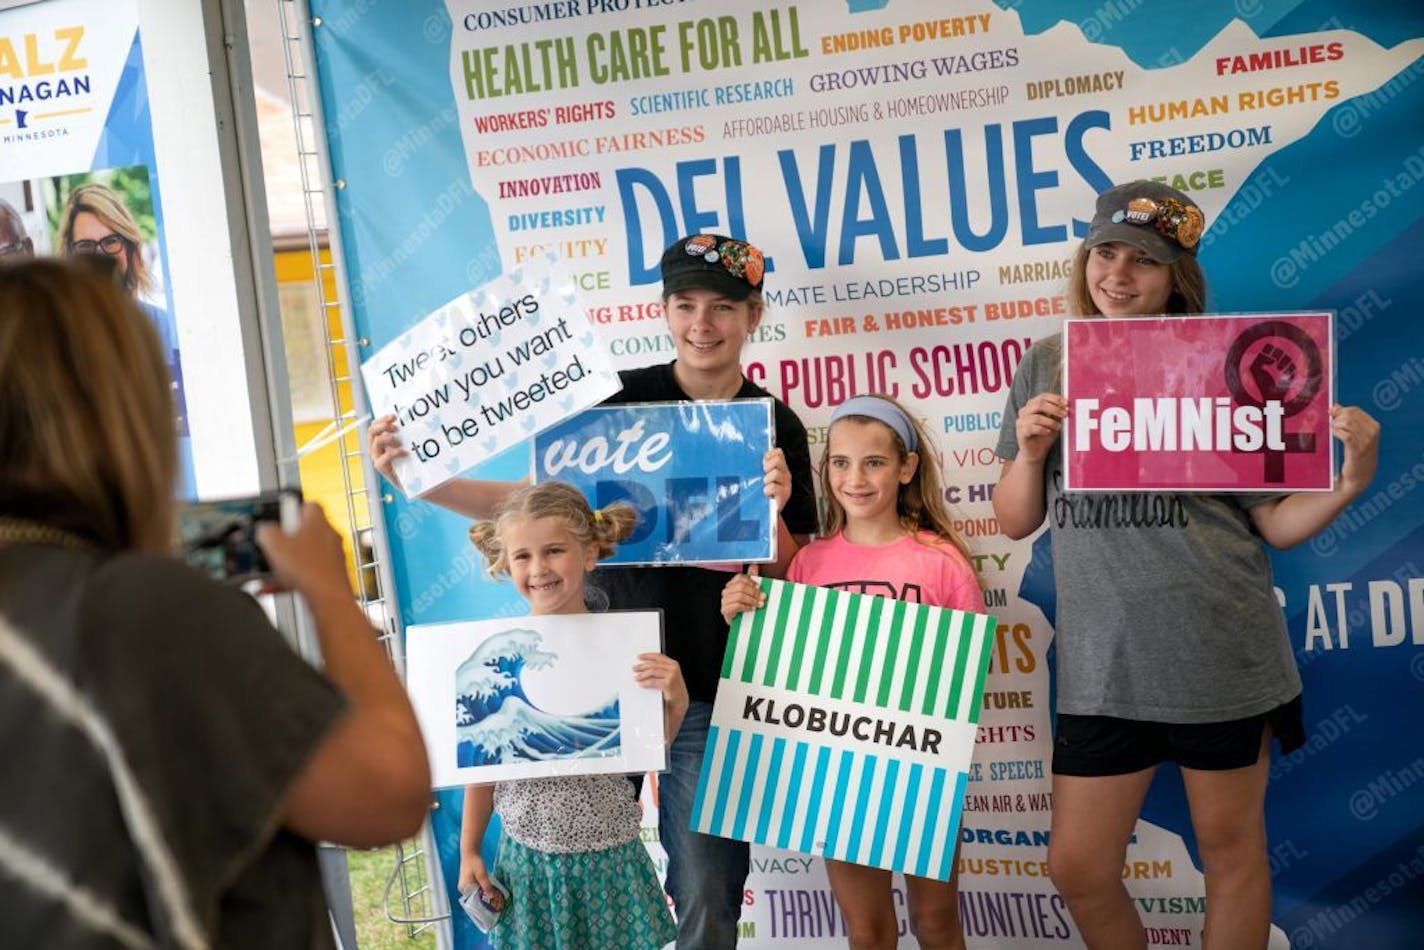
<point>881,410</point>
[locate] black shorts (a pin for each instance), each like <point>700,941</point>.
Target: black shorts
<point>1093,746</point>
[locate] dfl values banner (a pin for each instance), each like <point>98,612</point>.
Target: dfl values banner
<point>919,175</point>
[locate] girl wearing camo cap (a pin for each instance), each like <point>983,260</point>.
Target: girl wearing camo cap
<point>1171,645</point>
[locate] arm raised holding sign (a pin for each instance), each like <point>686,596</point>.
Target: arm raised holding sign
<point>661,672</point>
<point>776,483</point>
<point>1286,522</point>
<point>473,498</point>
<point>742,594</point>
<point>1018,500</point>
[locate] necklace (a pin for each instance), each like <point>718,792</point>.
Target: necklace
<point>20,531</point>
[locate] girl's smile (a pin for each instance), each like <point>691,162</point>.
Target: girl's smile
<point>1125,282</point>
<point>708,329</point>
<point>865,475</point>
<point>547,564</point>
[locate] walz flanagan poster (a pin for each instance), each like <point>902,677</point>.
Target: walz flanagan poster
<point>80,171</point>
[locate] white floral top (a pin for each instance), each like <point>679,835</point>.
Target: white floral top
<point>574,813</point>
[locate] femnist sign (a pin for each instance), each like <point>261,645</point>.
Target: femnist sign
<point>692,469</point>
<point>1239,403</point>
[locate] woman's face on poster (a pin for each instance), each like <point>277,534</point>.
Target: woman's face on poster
<point>91,235</point>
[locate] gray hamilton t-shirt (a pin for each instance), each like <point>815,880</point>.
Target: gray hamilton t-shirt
<point>1166,610</point>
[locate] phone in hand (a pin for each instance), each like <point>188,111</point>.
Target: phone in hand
<point>481,912</point>
<point>219,537</point>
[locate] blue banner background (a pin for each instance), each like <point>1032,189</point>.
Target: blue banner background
<point>1346,814</point>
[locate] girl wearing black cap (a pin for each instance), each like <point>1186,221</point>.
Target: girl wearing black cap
<point>1171,645</point>
<point>712,295</point>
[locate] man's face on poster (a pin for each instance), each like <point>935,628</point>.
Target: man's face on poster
<point>13,240</point>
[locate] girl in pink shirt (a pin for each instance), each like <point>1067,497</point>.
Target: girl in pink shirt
<point>887,533</point>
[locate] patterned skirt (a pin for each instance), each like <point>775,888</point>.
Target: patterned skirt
<point>588,900</point>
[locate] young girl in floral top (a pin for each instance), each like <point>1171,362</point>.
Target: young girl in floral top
<point>571,854</point>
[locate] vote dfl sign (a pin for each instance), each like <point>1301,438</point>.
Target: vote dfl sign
<point>692,469</point>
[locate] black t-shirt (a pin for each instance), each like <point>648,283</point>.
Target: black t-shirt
<point>691,597</point>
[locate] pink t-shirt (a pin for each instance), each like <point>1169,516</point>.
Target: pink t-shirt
<point>923,569</point>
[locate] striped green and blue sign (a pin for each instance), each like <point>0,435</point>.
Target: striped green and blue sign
<point>844,726</point>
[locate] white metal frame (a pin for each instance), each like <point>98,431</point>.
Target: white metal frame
<point>417,870</point>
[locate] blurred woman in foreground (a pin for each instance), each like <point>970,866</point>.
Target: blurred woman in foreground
<point>170,761</point>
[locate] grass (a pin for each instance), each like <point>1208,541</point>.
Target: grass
<point>369,872</point>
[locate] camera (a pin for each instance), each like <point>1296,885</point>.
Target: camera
<point>219,537</point>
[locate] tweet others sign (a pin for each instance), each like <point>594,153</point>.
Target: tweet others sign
<point>486,371</point>
<point>1238,403</point>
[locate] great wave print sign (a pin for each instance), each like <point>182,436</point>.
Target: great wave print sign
<point>529,697</point>
<point>496,723</point>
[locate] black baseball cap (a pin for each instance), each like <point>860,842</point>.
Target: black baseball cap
<point>1156,219</point>
<point>714,262</point>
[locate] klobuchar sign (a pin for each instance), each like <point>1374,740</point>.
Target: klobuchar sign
<point>919,189</point>
<point>844,726</point>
